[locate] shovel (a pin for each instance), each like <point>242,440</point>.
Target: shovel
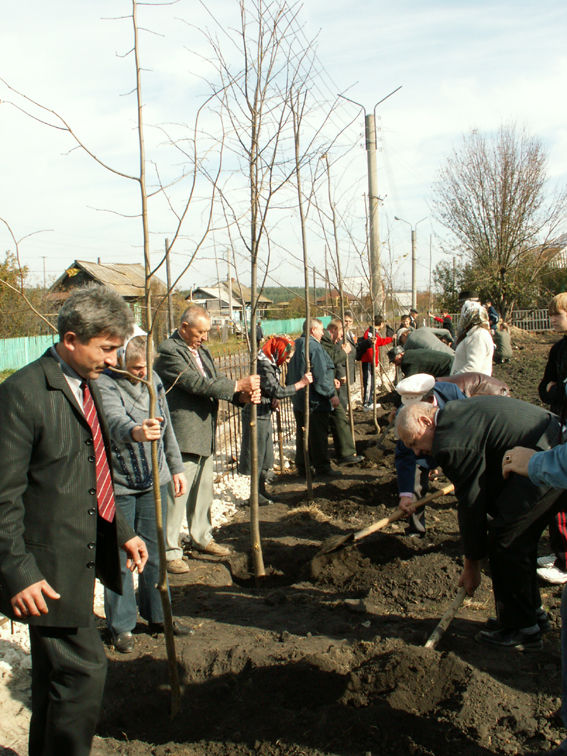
<point>384,433</point>
<point>337,542</point>
<point>446,619</point>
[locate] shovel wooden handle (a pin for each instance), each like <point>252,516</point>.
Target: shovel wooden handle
<point>446,619</point>
<point>384,433</point>
<point>399,513</point>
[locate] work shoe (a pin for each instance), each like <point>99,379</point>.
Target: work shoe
<point>123,642</point>
<point>546,561</point>
<point>541,617</point>
<point>179,630</point>
<point>352,459</point>
<point>328,472</point>
<point>515,640</point>
<point>177,566</point>
<point>263,501</point>
<point>370,407</point>
<point>213,549</point>
<point>552,575</point>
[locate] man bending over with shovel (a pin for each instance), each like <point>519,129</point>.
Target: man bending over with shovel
<point>413,472</point>
<point>468,440</point>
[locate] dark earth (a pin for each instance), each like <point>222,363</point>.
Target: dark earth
<point>326,656</point>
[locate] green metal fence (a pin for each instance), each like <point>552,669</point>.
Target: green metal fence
<point>17,353</point>
<point>293,325</point>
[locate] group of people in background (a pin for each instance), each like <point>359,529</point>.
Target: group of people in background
<point>76,469</point>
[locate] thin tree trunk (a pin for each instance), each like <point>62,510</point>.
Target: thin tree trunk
<point>341,295</point>
<point>306,460</point>
<point>256,544</point>
<point>162,585</point>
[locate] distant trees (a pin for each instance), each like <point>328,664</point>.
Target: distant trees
<point>491,195</point>
<point>16,317</point>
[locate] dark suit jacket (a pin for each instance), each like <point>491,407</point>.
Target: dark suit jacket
<point>430,361</point>
<point>429,338</point>
<point>405,459</point>
<point>469,443</point>
<point>49,524</point>
<point>193,400</point>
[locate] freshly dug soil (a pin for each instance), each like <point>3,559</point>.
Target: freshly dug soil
<point>325,656</point>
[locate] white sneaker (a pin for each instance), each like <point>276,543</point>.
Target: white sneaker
<point>552,575</point>
<point>546,561</point>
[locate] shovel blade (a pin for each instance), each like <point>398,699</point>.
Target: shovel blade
<point>334,543</point>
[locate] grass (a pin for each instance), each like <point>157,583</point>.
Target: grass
<point>6,374</point>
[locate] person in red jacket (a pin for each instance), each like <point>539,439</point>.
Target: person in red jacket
<point>444,320</point>
<point>371,341</point>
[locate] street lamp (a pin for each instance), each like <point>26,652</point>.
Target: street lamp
<point>413,260</point>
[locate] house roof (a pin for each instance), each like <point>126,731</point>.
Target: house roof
<point>242,292</point>
<point>126,279</point>
<point>335,294</point>
<point>213,292</point>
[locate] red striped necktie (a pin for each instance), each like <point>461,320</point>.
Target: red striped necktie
<point>104,488</point>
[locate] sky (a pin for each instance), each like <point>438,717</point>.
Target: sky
<point>461,65</point>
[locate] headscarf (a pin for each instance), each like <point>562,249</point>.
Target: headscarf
<point>277,348</point>
<point>121,351</point>
<point>473,314</point>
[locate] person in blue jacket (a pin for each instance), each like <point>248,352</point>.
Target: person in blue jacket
<point>546,468</point>
<point>322,400</point>
<point>413,472</point>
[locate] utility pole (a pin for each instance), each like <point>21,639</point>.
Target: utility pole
<point>375,261</point>
<point>413,259</point>
<point>170,318</point>
<point>327,285</point>
<point>44,277</point>
<point>373,199</point>
<point>430,268</point>
<point>314,292</point>
<point>229,286</point>
<point>413,271</point>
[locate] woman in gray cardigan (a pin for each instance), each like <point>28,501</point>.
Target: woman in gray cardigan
<point>127,410</point>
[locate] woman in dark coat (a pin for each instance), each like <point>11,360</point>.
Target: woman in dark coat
<point>275,352</point>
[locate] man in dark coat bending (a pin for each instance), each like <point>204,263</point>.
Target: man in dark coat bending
<point>501,519</point>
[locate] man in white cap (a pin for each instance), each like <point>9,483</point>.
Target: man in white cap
<point>413,472</point>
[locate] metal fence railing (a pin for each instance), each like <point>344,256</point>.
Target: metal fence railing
<point>235,364</point>
<point>528,320</point>
<point>531,320</point>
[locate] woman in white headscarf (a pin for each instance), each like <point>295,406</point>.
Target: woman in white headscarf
<point>474,345</point>
<point>127,409</point>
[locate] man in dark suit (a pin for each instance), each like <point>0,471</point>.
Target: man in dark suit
<point>427,338</point>
<point>414,361</point>
<point>468,440</point>
<point>413,470</point>
<point>193,391</point>
<point>59,526</point>
<point>322,400</point>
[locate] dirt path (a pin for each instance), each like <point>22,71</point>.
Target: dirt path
<point>326,657</point>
